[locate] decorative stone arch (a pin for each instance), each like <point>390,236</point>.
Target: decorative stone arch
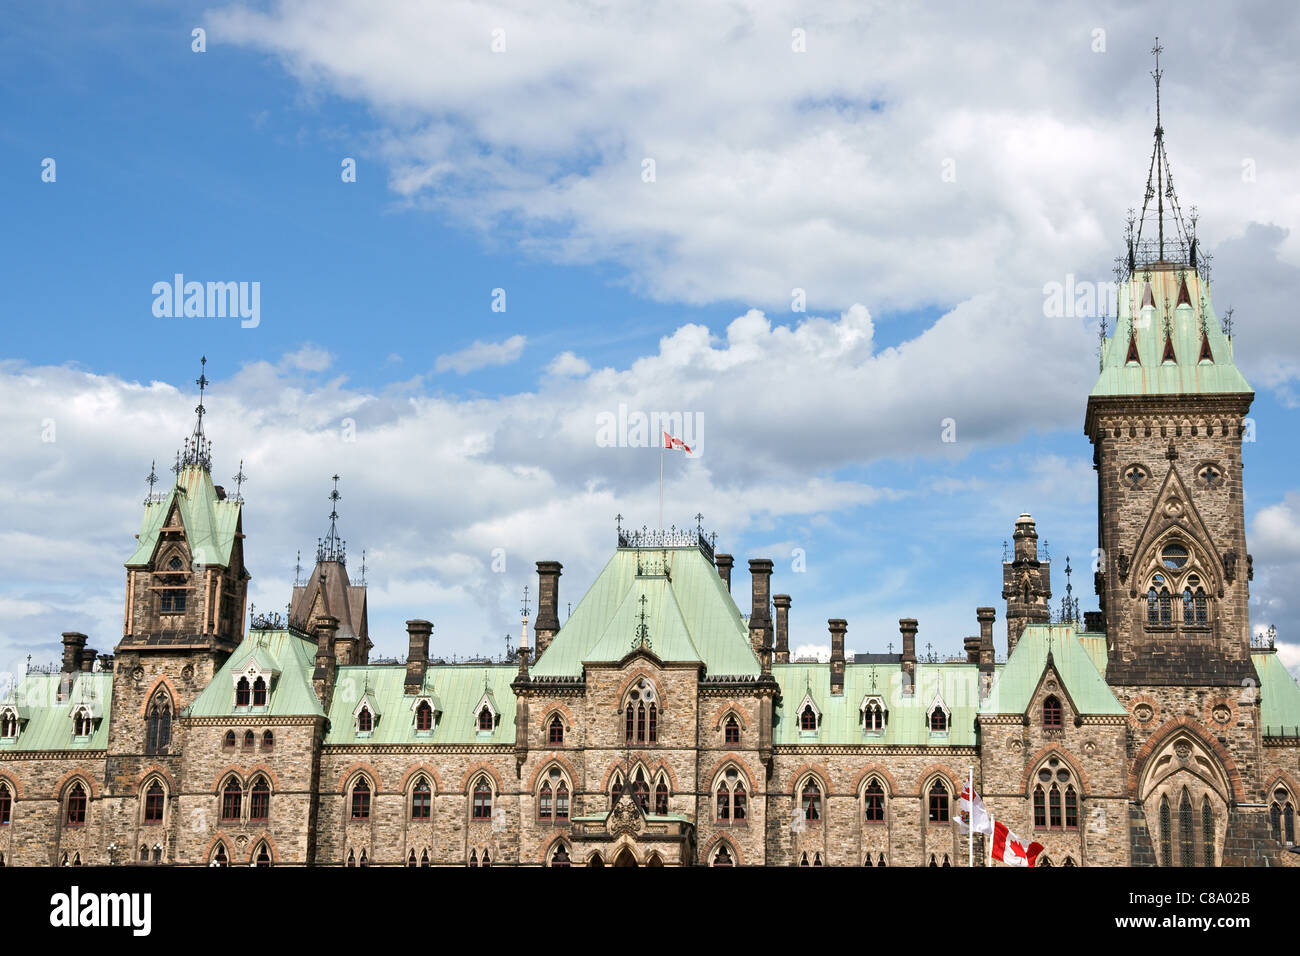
<point>641,673</point>
<point>817,770</point>
<point>155,771</point>
<point>556,710</point>
<point>1161,526</point>
<point>876,770</point>
<point>485,770</point>
<point>142,785</point>
<point>225,776</point>
<point>592,857</point>
<point>1051,750</point>
<point>1284,779</point>
<point>651,772</point>
<point>65,783</point>
<point>360,768</point>
<point>15,787</point>
<point>707,851</point>
<point>220,837</point>
<point>259,840</point>
<point>721,714</point>
<point>927,777</point>
<point>421,768</point>
<point>710,777</point>
<point>544,766</point>
<point>1192,727</point>
<point>162,680</point>
<point>549,846</point>
<point>266,772</point>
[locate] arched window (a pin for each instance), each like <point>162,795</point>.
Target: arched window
<point>1052,716</point>
<point>544,801</point>
<point>555,731</point>
<point>615,789</point>
<point>172,588</point>
<point>873,798</point>
<point>731,798</point>
<point>722,856</point>
<point>938,720</point>
<point>421,800</point>
<point>807,718</point>
<point>1195,603</point>
<point>82,724</point>
<point>1056,797</point>
<point>661,797</point>
<point>6,805</point>
<point>731,732</point>
<point>811,800</point>
<point>364,859</point>
<point>259,692</point>
<point>153,803</point>
<point>263,857</point>
<point>654,724</point>
<point>229,741</point>
<point>158,726</point>
<point>361,799</point>
<point>259,802</point>
<point>365,721</point>
<point>423,716</point>
<point>232,795</point>
<point>561,802</point>
<point>473,858</point>
<point>268,740</point>
<point>1282,816</point>
<point>641,714</point>
<point>1185,841</point>
<point>219,856</point>
<point>938,802</point>
<point>560,855</point>
<point>424,858</point>
<point>487,858</point>
<point>242,692</point>
<point>486,723</point>
<point>410,859</point>
<point>76,815</point>
<point>873,716</point>
<point>631,729</point>
<point>1166,834</point>
<point>482,801</point>
<point>249,739</point>
<point>641,791</point>
<point>8,725</point>
<point>1207,832</point>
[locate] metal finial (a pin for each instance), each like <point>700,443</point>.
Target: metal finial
<point>1227,322</point>
<point>152,480</point>
<point>523,608</point>
<point>333,548</point>
<point>642,638</point>
<point>699,523</point>
<point>297,570</point>
<point>363,567</point>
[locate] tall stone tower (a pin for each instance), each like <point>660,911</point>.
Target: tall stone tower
<point>186,587</point>
<point>1026,583</point>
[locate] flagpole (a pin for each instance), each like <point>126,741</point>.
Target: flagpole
<point>970,830</point>
<point>661,485</point>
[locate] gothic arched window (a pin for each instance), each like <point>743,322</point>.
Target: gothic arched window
<point>873,799</point>
<point>249,739</point>
<point>1056,797</point>
<point>873,716</point>
<point>731,732</point>
<point>1052,714</point>
<point>1186,855</point>
<point>153,803</point>
<point>560,857</point>
<point>365,721</point>
<point>731,797</point>
<point>242,692</point>
<point>807,718</point>
<point>259,801</point>
<point>1207,831</point>
<point>482,800</point>
<point>219,856</point>
<point>553,798</point>
<point>268,740</point>
<point>1166,834</point>
<point>423,716</point>
<point>259,692</point>
<point>8,725</point>
<point>361,799</point>
<point>421,800</point>
<point>486,722</point>
<point>811,800</point>
<point>555,731</point>
<point>232,795</point>
<point>229,741</point>
<point>76,815</point>
<point>661,797</point>
<point>158,726</point>
<point>263,856</point>
<point>641,791</point>
<point>722,857</point>
<point>938,802</point>
<point>6,805</point>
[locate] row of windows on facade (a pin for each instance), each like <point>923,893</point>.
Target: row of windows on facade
<point>1194,837</point>
<point>158,725</point>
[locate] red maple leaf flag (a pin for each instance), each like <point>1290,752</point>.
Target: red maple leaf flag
<point>1012,850</point>
<point>670,442</point>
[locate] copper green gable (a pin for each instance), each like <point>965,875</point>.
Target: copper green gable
<point>1073,658</point>
<point>954,686</point>
<point>45,721</point>
<point>291,693</point>
<point>454,690</point>
<point>689,616</point>
<point>1279,697</point>
<point>211,523</point>
<point>1190,328</point>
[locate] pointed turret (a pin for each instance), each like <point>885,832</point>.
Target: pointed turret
<point>328,593</point>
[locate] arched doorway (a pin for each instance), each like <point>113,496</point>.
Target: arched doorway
<point>625,858</point>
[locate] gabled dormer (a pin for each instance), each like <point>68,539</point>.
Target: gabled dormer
<point>13,718</point>
<point>938,717</point>
<point>809,715</point>
<point>425,712</point>
<point>366,714</point>
<point>487,715</point>
<point>873,714</point>
<point>255,679</point>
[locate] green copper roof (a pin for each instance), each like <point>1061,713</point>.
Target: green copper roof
<point>288,652</point>
<point>48,721</point>
<point>1279,703</point>
<point>1151,374</point>
<point>1074,658</point>
<point>689,616</point>
<point>456,690</point>
<point>956,685</point>
<point>210,524</point>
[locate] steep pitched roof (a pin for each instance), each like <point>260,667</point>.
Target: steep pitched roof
<point>338,598</point>
<point>457,688</point>
<point>211,523</point>
<point>289,652</point>
<point>48,720</point>
<point>1279,697</point>
<point>689,616</point>
<point>1142,329</point>
<point>1075,663</point>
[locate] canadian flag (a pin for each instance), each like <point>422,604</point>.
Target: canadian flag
<point>1012,850</point>
<point>671,442</point>
<point>972,813</point>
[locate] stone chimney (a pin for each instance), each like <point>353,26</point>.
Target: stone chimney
<point>782,603</point>
<point>1026,583</point>
<point>725,562</point>
<point>548,603</point>
<point>322,678</point>
<point>760,617</point>
<point>907,626</point>
<point>986,616</point>
<point>88,660</point>
<point>74,645</point>
<point>972,647</point>
<point>838,626</point>
<point>1094,622</point>
<point>417,655</point>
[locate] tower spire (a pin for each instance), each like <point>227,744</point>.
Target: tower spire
<point>197,450</point>
<point>332,547</point>
<point>1181,242</point>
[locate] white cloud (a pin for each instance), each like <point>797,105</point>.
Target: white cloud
<point>819,652</point>
<point>568,365</point>
<point>309,358</point>
<point>481,355</point>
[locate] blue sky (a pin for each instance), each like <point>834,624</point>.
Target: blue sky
<point>521,170</point>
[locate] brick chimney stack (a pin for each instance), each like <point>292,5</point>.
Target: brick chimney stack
<point>74,645</point>
<point>322,678</point>
<point>417,655</point>
<point>986,616</point>
<point>782,603</point>
<point>907,626</point>
<point>972,648</point>
<point>760,617</point>
<point>548,603</point>
<point>725,563</point>
<point>838,626</point>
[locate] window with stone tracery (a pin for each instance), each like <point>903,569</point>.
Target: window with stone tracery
<point>1055,797</point>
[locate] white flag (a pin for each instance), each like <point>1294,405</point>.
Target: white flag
<point>972,813</point>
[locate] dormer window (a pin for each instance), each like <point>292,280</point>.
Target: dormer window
<point>486,722</point>
<point>366,714</point>
<point>243,692</point>
<point>810,718</point>
<point>365,721</point>
<point>83,725</point>
<point>486,714</point>
<point>423,716</point>
<point>9,724</point>
<point>938,718</point>
<point>874,715</point>
<point>259,692</point>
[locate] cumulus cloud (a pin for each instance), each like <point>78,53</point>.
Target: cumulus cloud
<point>568,365</point>
<point>481,355</point>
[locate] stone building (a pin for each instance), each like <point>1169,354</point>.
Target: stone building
<point>662,725</point>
